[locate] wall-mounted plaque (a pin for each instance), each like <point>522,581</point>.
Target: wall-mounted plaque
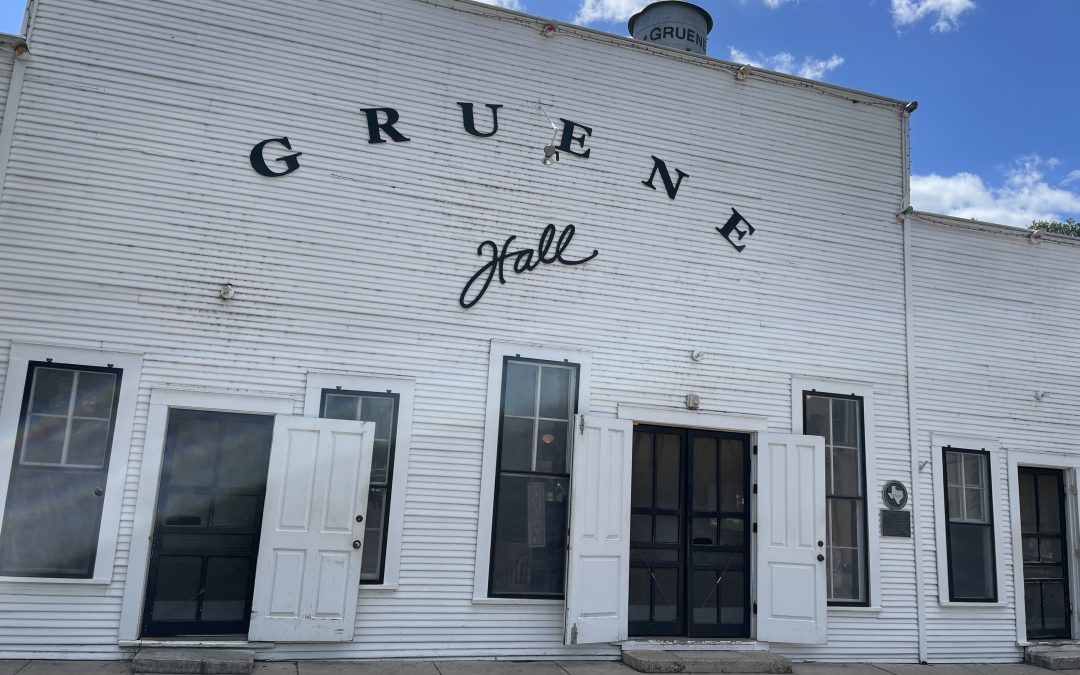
<point>895,523</point>
<point>895,495</point>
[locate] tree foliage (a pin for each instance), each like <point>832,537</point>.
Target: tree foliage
<point>1069,227</point>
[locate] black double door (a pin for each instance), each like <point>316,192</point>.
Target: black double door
<point>207,525</point>
<point>690,533</point>
<point>1045,546</point>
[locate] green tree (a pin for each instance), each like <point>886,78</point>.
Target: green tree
<point>1069,227</point>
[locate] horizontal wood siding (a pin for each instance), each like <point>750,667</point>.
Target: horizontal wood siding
<point>7,62</point>
<point>130,200</point>
<point>995,322</point>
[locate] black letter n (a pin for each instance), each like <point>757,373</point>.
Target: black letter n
<point>672,188</point>
<point>375,129</point>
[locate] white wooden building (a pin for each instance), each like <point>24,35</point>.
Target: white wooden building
<point>275,374</point>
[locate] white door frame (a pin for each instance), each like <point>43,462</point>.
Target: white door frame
<point>161,401</point>
<point>1070,466</point>
<point>717,421</point>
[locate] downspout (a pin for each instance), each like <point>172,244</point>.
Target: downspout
<point>913,433</point>
<point>11,110</point>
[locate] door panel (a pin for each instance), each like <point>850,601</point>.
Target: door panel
<point>206,530</point>
<point>1044,544</point>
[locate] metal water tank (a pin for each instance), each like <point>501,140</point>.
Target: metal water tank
<point>673,23</point>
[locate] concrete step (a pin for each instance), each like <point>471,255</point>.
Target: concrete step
<point>659,661</point>
<point>181,661</point>
<point>1054,657</point>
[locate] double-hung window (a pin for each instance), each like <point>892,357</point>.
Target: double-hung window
<point>969,531</point>
<point>839,419</point>
<point>382,409</point>
<point>59,470</point>
<point>532,486</point>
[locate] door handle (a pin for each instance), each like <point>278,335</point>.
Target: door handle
<point>820,557</point>
<point>820,543</point>
<point>356,544</point>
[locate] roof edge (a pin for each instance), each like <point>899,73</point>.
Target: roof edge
<point>991,228</point>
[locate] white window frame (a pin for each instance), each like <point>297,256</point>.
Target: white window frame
<point>10,413</point>
<point>405,388</point>
<point>865,391</point>
<point>161,401</point>
<point>499,351</point>
<point>998,468</point>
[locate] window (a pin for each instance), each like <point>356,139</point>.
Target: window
<point>969,531</point>
<point>59,471</point>
<point>839,419</point>
<point>382,409</point>
<point>532,486</point>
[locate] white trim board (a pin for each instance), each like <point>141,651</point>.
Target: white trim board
<point>10,411</point>
<point>161,401</point>
<point>499,350</point>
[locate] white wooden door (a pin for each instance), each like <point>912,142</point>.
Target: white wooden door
<point>598,569</point>
<point>308,573</point>
<point>791,593</point>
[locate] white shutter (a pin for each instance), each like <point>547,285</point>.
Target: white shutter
<point>598,569</point>
<point>791,592</point>
<point>308,572</point>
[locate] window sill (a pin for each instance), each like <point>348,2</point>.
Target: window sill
<point>517,601</point>
<point>377,587</point>
<point>854,609</point>
<point>59,581</point>
<point>971,605</point>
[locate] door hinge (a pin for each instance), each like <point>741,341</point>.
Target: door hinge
<point>755,488</point>
<point>573,634</point>
<point>581,423</point>
<point>754,528</point>
<point>1072,489</point>
<point>755,449</point>
<point>755,608</point>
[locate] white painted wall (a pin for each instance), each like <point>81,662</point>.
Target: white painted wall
<point>996,321</point>
<point>130,200</point>
<point>7,61</point>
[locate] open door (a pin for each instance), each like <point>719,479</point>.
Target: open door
<point>308,571</point>
<point>598,569</point>
<point>791,591</point>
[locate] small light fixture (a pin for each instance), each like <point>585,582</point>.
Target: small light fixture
<point>227,291</point>
<point>22,51</point>
<point>693,401</point>
<point>1036,237</point>
<point>911,107</point>
<point>743,72</point>
<point>908,210</point>
<point>549,29</point>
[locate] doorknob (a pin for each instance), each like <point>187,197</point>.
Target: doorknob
<point>820,543</point>
<point>98,492</point>
<point>359,519</point>
<point>356,544</point>
<point>820,557</point>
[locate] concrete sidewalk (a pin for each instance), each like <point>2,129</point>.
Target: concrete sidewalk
<point>504,668</point>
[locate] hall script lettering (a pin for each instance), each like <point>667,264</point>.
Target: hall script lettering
<point>381,125</point>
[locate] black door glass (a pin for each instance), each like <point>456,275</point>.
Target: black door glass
<point>1046,572</point>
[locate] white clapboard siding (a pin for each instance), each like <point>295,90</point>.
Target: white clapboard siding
<point>130,200</point>
<point>995,323</point>
<point>7,62</point>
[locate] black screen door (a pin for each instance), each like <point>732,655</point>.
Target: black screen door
<point>690,533</point>
<point>1045,546</point>
<point>206,529</point>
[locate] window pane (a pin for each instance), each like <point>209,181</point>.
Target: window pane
<point>845,422</point>
<point>846,478</point>
<point>845,574</point>
<point>183,509</point>
<point>952,468</point>
<point>176,594</point>
<point>703,596</point>
<point>43,442</point>
<point>817,417</point>
<point>380,410</point>
<point>973,470</point>
<point>640,585</point>
<point>1049,500</point>
<point>732,478</point>
<point>845,523</point>
<point>668,468</point>
<point>371,561</point>
<point>666,594</point>
<point>341,407</point>
<point>555,393</point>
<point>641,493</point>
<point>641,528</point>
<point>667,529</point>
<point>705,487</point>
<point>225,594</point>
<point>89,442</point>
<point>520,395</point>
<point>552,446</point>
<point>971,550</point>
<point>196,443</point>
<point>529,538</point>
<point>95,394</point>
<point>975,505</point>
<point>380,463</point>
<point>52,391</point>
<point>517,444</point>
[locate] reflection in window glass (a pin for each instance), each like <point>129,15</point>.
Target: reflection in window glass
<point>969,531</point>
<point>528,551</point>
<point>380,408</point>
<point>838,419</point>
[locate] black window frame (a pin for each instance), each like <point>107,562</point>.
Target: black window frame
<point>392,453</point>
<point>16,458</point>
<point>576,369</point>
<point>985,454</point>
<point>865,499</point>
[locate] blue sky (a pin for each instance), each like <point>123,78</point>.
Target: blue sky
<point>998,83</point>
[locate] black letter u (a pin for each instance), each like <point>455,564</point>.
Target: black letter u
<point>470,121</point>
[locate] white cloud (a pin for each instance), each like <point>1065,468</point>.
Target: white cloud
<point>773,4</point>
<point>1073,177</point>
<point>507,4</point>
<point>810,68</point>
<point>946,13</point>
<point>607,10</point>
<point>1025,196</point>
